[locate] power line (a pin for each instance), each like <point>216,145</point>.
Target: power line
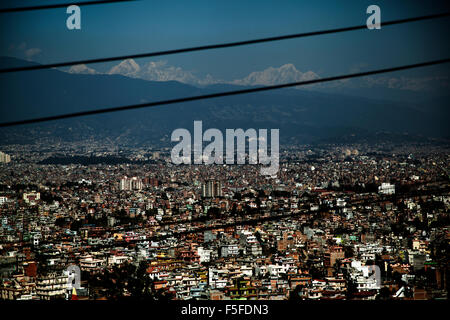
<point>218,46</point>
<point>224,94</point>
<point>60,5</point>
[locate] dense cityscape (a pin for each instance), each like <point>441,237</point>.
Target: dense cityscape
<point>353,222</point>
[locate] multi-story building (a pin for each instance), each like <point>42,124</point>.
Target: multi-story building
<point>3,200</point>
<point>31,197</point>
<point>4,158</point>
<point>386,188</point>
<point>133,183</point>
<point>211,189</point>
<point>51,286</point>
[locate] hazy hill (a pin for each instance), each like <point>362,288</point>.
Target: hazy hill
<point>301,116</point>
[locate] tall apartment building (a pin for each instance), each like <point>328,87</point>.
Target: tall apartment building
<point>211,189</point>
<point>4,158</point>
<point>133,183</point>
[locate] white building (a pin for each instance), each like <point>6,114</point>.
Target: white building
<point>133,183</point>
<point>229,250</point>
<point>3,200</point>
<point>204,254</point>
<point>386,188</point>
<point>217,278</point>
<point>365,277</point>
<point>51,286</point>
<point>4,158</point>
<point>31,197</point>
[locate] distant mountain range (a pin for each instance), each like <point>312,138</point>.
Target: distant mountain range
<point>303,116</point>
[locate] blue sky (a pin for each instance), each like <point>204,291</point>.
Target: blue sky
<point>146,25</point>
